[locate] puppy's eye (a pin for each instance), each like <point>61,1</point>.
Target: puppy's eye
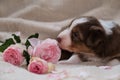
<point>75,36</point>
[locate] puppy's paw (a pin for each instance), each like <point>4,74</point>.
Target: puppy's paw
<point>113,62</point>
<point>72,60</point>
<point>65,62</point>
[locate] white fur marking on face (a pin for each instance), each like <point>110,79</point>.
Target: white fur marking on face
<point>107,25</point>
<point>65,36</point>
<point>78,21</point>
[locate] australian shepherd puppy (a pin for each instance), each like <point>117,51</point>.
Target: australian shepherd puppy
<point>92,40</point>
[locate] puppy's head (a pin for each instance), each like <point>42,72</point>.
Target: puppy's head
<point>82,35</point>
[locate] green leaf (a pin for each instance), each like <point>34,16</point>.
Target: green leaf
<point>27,43</point>
<point>6,44</point>
<point>36,35</point>
<point>27,56</point>
<point>17,38</point>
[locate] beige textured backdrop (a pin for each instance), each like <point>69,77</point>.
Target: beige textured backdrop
<point>49,17</point>
<point>33,13</point>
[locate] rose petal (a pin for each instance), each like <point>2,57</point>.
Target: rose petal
<point>58,76</point>
<point>33,41</point>
<point>30,50</point>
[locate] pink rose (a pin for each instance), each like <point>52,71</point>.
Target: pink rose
<point>13,54</point>
<point>38,66</point>
<point>47,50</point>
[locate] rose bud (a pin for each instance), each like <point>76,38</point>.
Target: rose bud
<point>13,54</point>
<point>38,66</point>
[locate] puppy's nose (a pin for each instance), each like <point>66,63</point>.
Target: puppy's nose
<point>59,39</point>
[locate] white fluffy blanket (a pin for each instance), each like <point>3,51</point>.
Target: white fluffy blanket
<point>48,18</point>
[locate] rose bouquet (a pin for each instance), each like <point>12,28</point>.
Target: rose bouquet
<point>40,56</point>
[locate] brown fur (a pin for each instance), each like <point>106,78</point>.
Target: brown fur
<point>91,36</point>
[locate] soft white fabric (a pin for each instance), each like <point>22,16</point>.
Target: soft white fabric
<point>48,18</point>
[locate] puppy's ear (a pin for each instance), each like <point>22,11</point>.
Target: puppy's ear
<point>95,36</point>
